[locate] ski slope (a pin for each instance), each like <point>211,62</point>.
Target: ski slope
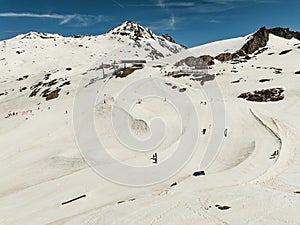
<point>42,164</point>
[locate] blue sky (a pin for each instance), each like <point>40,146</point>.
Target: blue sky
<point>189,22</point>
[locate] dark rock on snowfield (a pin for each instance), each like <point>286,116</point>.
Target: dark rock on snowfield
<point>264,80</point>
<point>199,173</point>
<point>261,51</point>
<point>197,61</point>
<point>52,95</point>
<point>266,95</point>
<point>285,52</point>
<point>226,57</point>
<point>258,40</point>
<point>225,207</point>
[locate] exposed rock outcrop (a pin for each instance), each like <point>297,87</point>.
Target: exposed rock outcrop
<point>52,95</point>
<point>204,60</point>
<point>168,38</point>
<point>226,56</point>
<point>241,52</point>
<point>265,95</point>
<point>285,52</point>
<point>257,41</point>
<point>261,38</point>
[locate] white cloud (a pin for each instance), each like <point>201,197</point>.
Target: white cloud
<point>162,4</point>
<point>74,19</point>
<point>164,24</point>
<point>214,21</point>
<point>186,4</point>
<point>211,6</point>
<point>172,22</point>
<point>165,5</point>
<point>118,3</point>
<point>240,1</point>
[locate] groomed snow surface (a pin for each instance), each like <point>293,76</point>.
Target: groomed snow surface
<point>42,167</point>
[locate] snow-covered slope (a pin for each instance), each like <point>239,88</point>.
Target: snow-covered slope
<point>252,179</point>
<point>215,48</point>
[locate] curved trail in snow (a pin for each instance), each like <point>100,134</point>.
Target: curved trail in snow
<point>255,168</point>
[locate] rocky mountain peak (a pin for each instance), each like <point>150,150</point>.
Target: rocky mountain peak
<point>133,30</point>
<point>144,38</point>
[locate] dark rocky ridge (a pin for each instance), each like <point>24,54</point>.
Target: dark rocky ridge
<point>258,40</point>
<point>284,33</point>
<point>169,38</point>
<point>261,37</point>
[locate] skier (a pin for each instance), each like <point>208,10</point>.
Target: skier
<point>225,132</point>
<point>154,158</point>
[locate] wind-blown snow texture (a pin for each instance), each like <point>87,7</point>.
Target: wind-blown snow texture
<point>254,179</point>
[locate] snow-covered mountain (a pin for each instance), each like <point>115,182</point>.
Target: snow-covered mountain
<point>246,98</point>
<point>127,41</point>
<point>148,44</point>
